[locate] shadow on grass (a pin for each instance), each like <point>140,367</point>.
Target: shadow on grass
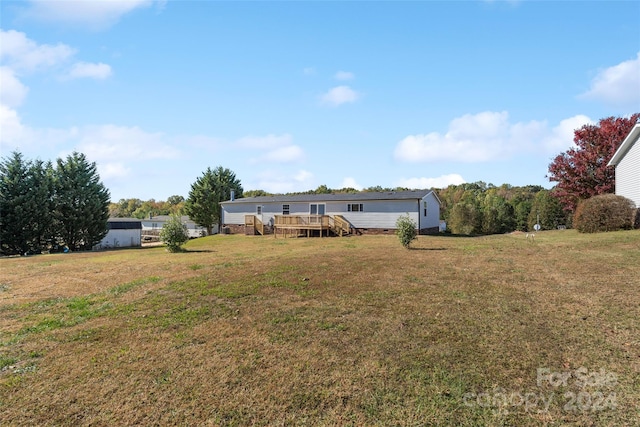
<point>463,236</point>
<point>427,249</point>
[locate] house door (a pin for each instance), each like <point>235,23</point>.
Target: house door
<point>317,209</point>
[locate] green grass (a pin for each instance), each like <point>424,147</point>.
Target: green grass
<point>353,331</point>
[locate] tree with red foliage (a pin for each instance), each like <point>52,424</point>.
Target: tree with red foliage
<point>581,172</point>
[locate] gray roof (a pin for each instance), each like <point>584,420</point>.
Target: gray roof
<point>335,197</point>
<point>124,224</point>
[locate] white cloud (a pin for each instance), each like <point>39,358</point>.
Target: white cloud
<point>442,181</point>
<point>86,69</point>
<point>290,153</point>
<point>303,176</point>
<point>273,148</point>
<point>108,143</point>
<point>25,55</point>
<point>487,136</point>
<point>349,182</point>
<point>96,15</point>
<point>109,171</point>
<point>618,86</point>
<point>16,135</point>
<point>339,95</point>
<point>12,129</point>
<point>12,91</point>
<point>280,182</point>
<point>308,71</point>
<point>344,75</point>
<point>560,138</point>
<point>20,55</point>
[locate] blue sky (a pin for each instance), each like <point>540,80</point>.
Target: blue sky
<point>292,95</point>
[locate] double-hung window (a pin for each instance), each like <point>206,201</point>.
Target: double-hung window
<point>355,207</point>
<point>285,210</point>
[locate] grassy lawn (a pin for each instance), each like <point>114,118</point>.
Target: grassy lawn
<point>244,330</point>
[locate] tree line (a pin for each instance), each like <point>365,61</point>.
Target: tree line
<point>44,206</point>
<point>50,206</point>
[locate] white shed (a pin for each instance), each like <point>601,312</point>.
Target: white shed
<point>627,163</point>
<point>123,233</point>
<point>153,225</point>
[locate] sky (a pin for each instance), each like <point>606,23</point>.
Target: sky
<point>293,95</point>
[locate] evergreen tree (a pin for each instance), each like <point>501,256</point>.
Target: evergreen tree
<point>81,202</point>
<point>213,187</point>
<point>25,205</point>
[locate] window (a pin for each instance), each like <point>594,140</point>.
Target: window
<point>316,209</point>
<point>424,205</point>
<point>258,210</point>
<point>285,210</point>
<point>355,207</point>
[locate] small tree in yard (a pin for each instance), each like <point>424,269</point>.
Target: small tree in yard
<point>406,230</point>
<point>174,234</point>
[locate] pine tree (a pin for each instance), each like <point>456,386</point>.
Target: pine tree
<point>81,202</point>
<point>214,186</point>
<point>25,205</point>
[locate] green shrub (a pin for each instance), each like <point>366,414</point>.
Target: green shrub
<point>406,230</point>
<point>606,212</point>
<point>174,234</point>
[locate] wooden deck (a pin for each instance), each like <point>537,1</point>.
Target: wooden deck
<point>301,225</point>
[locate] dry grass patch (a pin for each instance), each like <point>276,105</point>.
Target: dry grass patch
<point>342,331</point>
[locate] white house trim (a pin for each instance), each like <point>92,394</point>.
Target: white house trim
<point>627,163</point>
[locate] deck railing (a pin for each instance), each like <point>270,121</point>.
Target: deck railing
<point>293,221</point>
<point>340,225</point>
<point>253,222</point>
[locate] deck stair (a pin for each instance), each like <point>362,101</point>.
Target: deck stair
<point>340,226</point>
<point>253,225</point>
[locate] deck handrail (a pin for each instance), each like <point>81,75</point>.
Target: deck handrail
<point>305,220</point>
<point>342,223</point>
<point>259,225</point>
<point>255,223</point>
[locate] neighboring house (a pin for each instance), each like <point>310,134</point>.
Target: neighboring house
<point>627,162</point>
<point>357,213</point>
<point>153,225</point>
<point>122,233</point>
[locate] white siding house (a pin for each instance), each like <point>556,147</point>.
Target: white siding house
<point>366,212</point>
<point>122,233</point>
<point>627,163</point>
<point>153,225</point>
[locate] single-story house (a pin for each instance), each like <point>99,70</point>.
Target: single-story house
<point>122,233</point>
<point>153,225</point>
<point>627,163</point>
<point>340,213</point>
